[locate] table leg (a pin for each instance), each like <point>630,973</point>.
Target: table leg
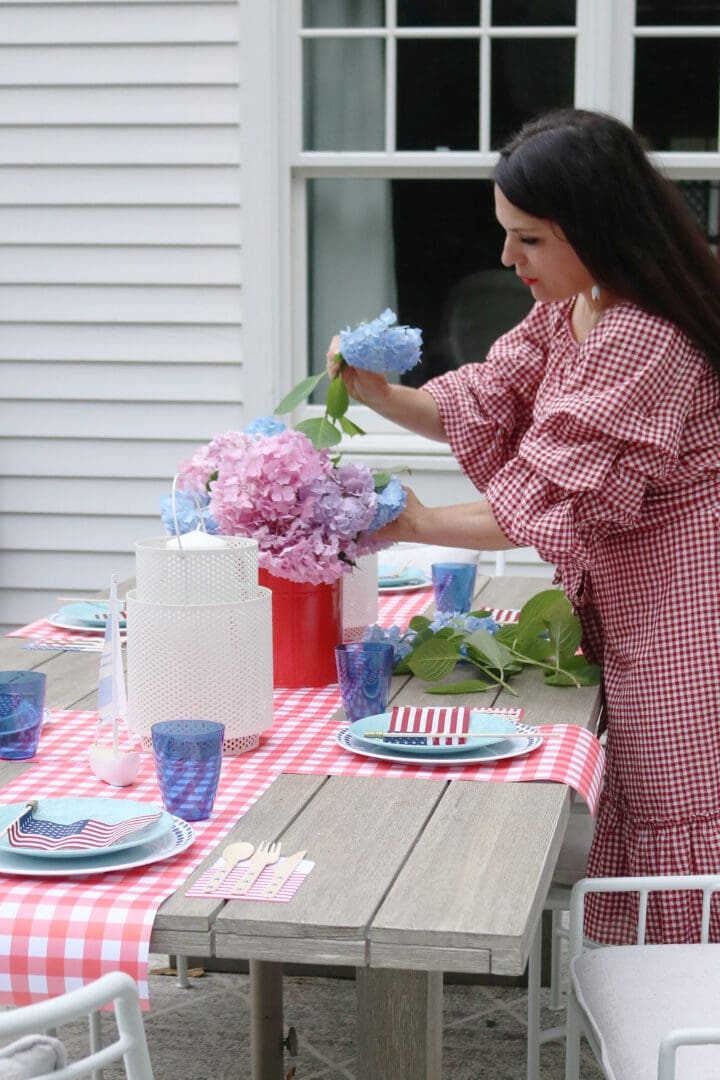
<point>266,1020</point>
<point>399,1024</point>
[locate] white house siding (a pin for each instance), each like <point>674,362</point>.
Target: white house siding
<point>121,262</point>
<point>144,265</point>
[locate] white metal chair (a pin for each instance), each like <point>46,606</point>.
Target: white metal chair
<point>570,868</point>
<point>638,1005</point>
<point>117,989</point>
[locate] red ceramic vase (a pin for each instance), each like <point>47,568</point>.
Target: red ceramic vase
<point>307,625</point>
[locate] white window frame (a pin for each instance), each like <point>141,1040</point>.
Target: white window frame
<point>604,34</point>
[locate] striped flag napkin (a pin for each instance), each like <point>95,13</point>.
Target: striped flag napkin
<point>28,831</point>
<point>434,726</point>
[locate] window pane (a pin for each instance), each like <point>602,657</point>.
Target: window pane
<point>703,201</point>
<point>430,249</point>
<point>529,77</point>
<point>438,95</point>
<point>533,12</point>
<point>343,13</point>
<point>685,115</point>
<point>336,116</point>
<point>672,13</point>
<point>430,13</point>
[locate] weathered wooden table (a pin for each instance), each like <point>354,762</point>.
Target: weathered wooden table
<point>412,877</point>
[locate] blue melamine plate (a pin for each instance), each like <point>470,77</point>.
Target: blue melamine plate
<point>66,810</point>
<point>480,720</point>
<point>178,839</point>
<point>481,755</point>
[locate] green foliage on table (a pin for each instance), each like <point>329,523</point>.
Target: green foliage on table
<point>547,635</point>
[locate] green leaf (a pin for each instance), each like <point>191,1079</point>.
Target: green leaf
<point>540,649</point>
<point>548,614</point>
<point>382,479</point>
<point>573,671</point>
<point>419,622</point>
<point>348,427</point>
<point>482,644</point>
<point>298,393</point>
<point>469,686</point>
<point>434,659</point>
<point>211,479</point>
<point>506,635</point>
<point>337,399</point>
<point>320,432</point>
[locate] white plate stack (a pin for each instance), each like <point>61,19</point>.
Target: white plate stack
<point>199,639</point>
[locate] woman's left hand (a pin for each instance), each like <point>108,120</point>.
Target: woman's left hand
<point>405,525</point>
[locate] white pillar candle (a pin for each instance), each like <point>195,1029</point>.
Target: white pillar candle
<point>194,541</point>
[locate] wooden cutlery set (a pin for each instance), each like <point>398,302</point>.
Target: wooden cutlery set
<point>265,854</point>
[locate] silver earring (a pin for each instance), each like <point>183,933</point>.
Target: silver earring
<point>595,293</point>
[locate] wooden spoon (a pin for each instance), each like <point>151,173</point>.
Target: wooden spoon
<point>231,856</point>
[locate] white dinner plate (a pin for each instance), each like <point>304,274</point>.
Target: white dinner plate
<point>480,720</point>
<point>508,748</point>
<point>178,839</point>
<point>66,810</point>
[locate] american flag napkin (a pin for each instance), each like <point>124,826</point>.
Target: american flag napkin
<point>28,831</point>
<point>433,726</point>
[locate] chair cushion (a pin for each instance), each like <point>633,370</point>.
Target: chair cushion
<point>33,1055</point>
<point>634,995</point>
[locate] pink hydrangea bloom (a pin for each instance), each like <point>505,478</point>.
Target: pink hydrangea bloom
<point>306,514</point>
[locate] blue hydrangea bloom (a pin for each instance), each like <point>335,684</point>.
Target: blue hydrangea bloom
<point>463,623</point>
<point>187,513</point>
<point>265,425</point>
<point>393,635</point>
<point>380,346</point>
<point>390,503</point>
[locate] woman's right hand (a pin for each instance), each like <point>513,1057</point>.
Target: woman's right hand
<point>368,387</point>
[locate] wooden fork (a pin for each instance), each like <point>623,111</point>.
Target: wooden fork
<point>265,854</point>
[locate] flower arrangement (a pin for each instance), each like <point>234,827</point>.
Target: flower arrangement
<point>312,516</point>
<point>378,345</point>
<point>546,635</point>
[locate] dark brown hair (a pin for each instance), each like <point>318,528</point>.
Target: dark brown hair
<point>627,223</point>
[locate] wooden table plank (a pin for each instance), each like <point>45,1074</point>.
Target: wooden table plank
<point>358,831</point>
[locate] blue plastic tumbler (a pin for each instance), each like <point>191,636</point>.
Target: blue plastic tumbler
<point>22,706</point>
<point>453,585</point>
<point>364,675</point>
<point>188,756</point>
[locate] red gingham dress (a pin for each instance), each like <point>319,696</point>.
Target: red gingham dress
<point>605,457</point>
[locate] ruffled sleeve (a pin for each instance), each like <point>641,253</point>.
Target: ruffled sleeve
<point>486,408</point>
<point>609,422</point>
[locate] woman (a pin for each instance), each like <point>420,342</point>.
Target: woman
<point>593,429</point>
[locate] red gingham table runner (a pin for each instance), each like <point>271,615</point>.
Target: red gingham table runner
<point>57,934</point>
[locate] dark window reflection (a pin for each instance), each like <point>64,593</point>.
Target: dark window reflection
<point>529,77</point>
<point>533,12</point>
<point>437,95</point>
<point>449,278</point>
<point>432,13</point>
<point>677,13</point>
<point>685,115</point>
<point>343,13</point>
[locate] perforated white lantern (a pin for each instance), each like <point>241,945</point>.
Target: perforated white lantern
<point>199,640</point>
<point>360,598</point>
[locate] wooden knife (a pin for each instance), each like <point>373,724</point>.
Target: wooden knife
<point>282,873</point>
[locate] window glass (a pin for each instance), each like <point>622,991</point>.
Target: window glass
<point>529,76</point>
<point>335,115</point>
<point>675,13</point>
<point>343,13</point>
<point>430,249</point>
<point>685,115</point>
<point>431,13</point>
<point>533,12</point>
<point>703,201</point>
<point>438,95</point>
